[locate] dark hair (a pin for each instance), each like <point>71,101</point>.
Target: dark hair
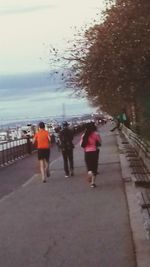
<point>89,128</point>
<point>42,125</point>
<point>65,124</point>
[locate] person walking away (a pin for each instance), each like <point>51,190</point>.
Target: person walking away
<point>90,140</point>
<point>57,138</point>
<point>66,146</point>
<point>42,140</point>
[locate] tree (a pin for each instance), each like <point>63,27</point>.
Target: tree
<point>112,64</point>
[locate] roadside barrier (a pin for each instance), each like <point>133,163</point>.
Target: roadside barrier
<point>138,154</point>
<point>14,150</point>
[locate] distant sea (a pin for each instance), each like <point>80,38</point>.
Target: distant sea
<point>31,98</point>
<point>38,96</point>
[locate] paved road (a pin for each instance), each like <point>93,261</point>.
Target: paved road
<point>16,174</point>
<point>65,223</point>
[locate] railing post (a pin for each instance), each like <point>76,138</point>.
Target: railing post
<point>28,145</point>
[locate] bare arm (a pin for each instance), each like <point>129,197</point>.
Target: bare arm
<point>34,140</point>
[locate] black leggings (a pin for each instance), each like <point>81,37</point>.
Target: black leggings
<point>68,160</point>
<point>91,160</point>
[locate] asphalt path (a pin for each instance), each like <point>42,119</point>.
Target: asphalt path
<point>65,223</point>
<point>20,171</point>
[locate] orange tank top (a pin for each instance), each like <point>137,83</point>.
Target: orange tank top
<point>42,139</point>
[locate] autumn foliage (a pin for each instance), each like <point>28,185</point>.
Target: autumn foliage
<point>112,64</point>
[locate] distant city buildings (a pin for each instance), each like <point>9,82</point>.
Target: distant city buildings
<point>28,130</point>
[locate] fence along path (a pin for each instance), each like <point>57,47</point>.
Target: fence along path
<point>13,150</point>
<point>138,156</point>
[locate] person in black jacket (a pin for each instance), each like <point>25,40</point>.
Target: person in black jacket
<point>66,145</point>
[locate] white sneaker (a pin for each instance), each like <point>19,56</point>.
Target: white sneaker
<point>66,176</point>
<point>93,185</point>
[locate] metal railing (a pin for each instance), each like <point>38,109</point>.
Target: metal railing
<point>141,146</point>
<point>13,150</point>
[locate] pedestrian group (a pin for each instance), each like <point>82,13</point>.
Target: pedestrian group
<point>90,142</point>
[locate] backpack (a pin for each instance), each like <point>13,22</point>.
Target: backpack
<point>66,140</point>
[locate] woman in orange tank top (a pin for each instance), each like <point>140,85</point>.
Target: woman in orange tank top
<point>42,140</point>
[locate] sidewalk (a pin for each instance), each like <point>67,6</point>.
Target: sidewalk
<point>140,235</point>
<point>65,223</point>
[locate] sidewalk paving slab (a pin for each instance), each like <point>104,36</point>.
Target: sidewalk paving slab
<point>141,243</point>
<point>64,222</point>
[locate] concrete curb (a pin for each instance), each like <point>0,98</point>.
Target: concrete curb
<point>141,244</point>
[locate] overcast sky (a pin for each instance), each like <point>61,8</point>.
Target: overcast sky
<point>33,96</point>
<point>29,27</point>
